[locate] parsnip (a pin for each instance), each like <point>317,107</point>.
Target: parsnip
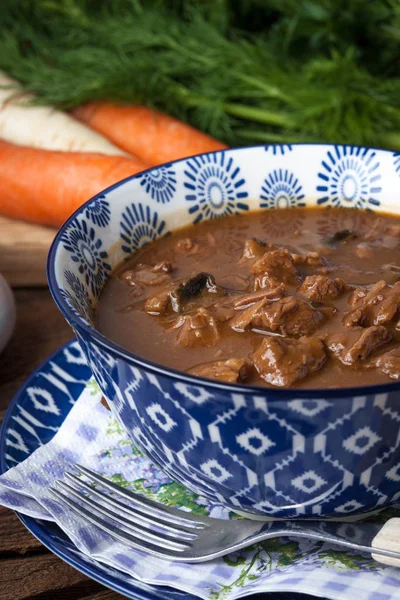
<point>45,127</point>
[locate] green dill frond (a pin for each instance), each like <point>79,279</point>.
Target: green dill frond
<point>245,71</point>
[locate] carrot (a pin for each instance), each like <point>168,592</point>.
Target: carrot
<point>151,135</point>
<point>45,186</point>
<point>43,126</point>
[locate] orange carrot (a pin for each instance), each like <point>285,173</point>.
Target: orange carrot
<point>46,186</point>
<point>151,135</point>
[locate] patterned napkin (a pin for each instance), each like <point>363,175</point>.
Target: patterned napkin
<point>91,436</point>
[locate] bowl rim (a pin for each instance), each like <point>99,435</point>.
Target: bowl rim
<point>87,330</point>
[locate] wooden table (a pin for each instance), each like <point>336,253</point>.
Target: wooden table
<point>27,569</point>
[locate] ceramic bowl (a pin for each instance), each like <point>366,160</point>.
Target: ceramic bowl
<point>278,453</point>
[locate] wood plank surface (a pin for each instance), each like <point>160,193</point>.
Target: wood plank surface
<point>36,576</point>
<point>23,252</point>
<point>103,595</point>
<point>28,571</point>
<point>15,541</point>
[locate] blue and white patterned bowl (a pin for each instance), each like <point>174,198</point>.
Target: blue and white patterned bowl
<point>272,453</point>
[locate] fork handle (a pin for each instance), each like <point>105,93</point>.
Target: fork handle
<point>388,538</point>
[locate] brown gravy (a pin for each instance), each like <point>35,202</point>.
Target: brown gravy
<point>294,297</point>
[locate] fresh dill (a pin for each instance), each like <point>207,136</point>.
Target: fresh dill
<point>245,71</point>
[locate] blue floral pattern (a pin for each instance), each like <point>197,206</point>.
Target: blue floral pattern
<point>281,189</point>
<point>77,297</point>
<point>99,212</point>
<point>85,248</point>
<point>350,177</point>
<point>214,186</point>
<point>140,225</point>
<point>396,162</point>
<point>277,149</point>
<point>159,183</point>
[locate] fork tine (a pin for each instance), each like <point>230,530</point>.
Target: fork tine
<point>122,536</point>
<point>131,513</point>
<point>149,506</point>
<point>135,529</point>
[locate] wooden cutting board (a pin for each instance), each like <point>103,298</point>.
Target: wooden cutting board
<point>23,252</point>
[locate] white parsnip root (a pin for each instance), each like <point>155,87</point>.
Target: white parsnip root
<point>45,127</point>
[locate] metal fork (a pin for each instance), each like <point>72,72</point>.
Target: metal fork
<point>173,534</point>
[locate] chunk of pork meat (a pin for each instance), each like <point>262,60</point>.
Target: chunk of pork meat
<point>291,316</point>
<point>389,363</point>
<point>361,294</point>
<point>177,293</point>
<point>148,275</point>
<point>159,303</point>
<point>196,329</point>
<point>231,370</point>
<point>377,306</point>
<point>281,362</point>
<point>354,345</point>
<point>187,246</point>
<point>273,268</point>
<point>287,316</point>
<point>393,230</point>
<point>245,300</point>
<point>311,259</point>
<point>249,316</point>
<point>319,287</point>
<point>255,248</point>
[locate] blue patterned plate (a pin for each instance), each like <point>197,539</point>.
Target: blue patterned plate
<point>32,419</point>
